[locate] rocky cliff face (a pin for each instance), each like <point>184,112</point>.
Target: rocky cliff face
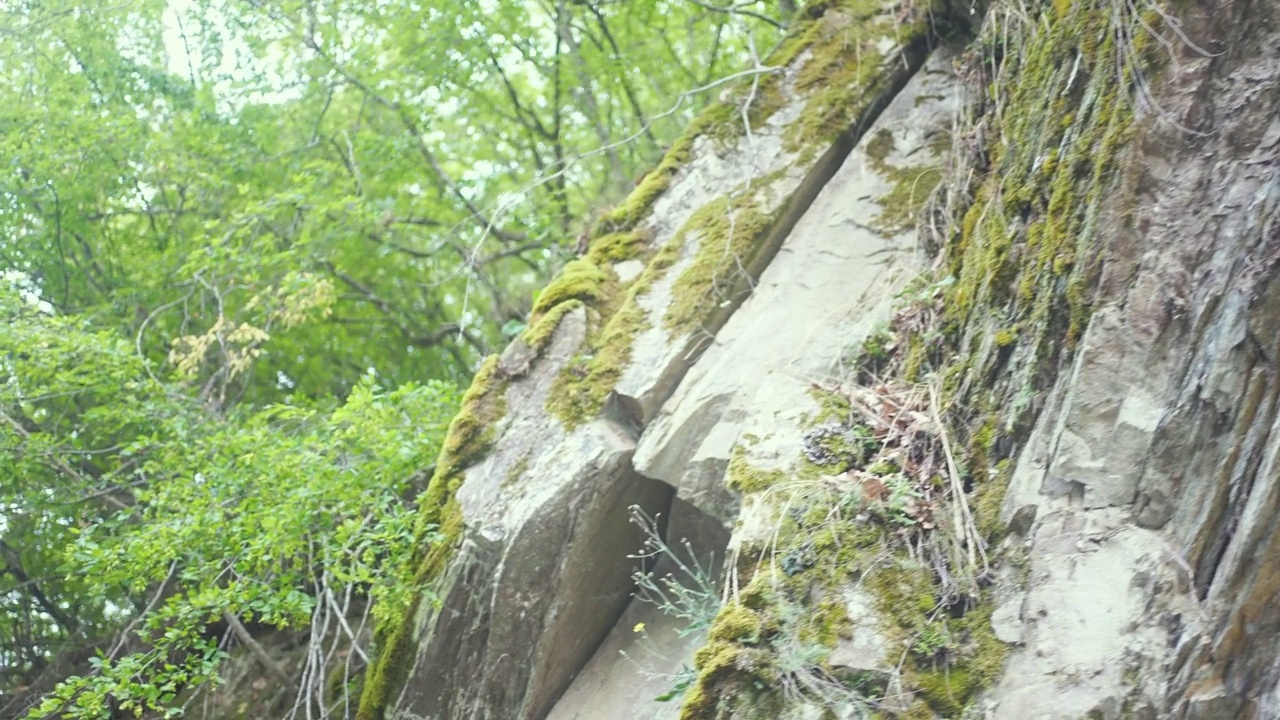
<point>943,358</point>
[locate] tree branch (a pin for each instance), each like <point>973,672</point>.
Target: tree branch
<point>13,565</point>
<point>58,464</point>
<point>733,10</point>
<point>255,648</point>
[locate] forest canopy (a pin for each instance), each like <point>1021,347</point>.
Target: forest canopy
<point>250,250</point>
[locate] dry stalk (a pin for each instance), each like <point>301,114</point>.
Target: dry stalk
<point>970,541</point>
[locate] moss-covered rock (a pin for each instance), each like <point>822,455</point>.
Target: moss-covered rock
<point>471,434</point>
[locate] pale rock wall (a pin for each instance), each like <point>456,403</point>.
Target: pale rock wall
<point>832,282</point>
<point>539,573</point>
<point>1155,562</point>
<point>1138,571</point>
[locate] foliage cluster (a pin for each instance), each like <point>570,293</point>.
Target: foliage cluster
<point>126,504</point>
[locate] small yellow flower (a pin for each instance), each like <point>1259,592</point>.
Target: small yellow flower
<point>639,628</point>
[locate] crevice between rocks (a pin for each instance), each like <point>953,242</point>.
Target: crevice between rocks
<point>707,535</point>
<point>640,410</point>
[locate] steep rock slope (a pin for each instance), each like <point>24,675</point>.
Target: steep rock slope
<point>958,356</point>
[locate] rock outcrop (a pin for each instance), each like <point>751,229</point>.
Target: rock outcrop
<point>946,352</point>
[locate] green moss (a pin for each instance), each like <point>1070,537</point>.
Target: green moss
<point>744,478</point>
<point>846,70</point>
<point>875,354</point>
<point>764,640</point>
<point>918,710</point>
<point>472,430</point>
<point>826,623</point>
<point>736,623</point>
<point>725,231</point>
<point>727,669</point>
<point>989,499</point>
<point>910,191</point>
<point>1052,165</point>
<point>579,391</point>
<point>580,280</point>
<point>986,653</point>
<point>541,331</point>
<point>632,210</point>
<point>975,660</point>
<point>471,434</point>
<point>740,669</point>
<point>1022,254</point>
<point>832,407</point>
<point>720,667</point>
<point>948,659</point>
<point>945,689</point>
<point>904,591</point>
<point>720,121</point>
<point>910,185</point>
<point>728,234</point>
<point>618,246</point>
<point>1021,262</point>
<point>879,146</point>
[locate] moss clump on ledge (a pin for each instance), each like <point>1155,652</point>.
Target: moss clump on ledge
<point>580,389</point>
<point>589,281</point>
<point>540,332</point>
<point>579,280</point>
<point>846,47</point>
<point>618,246</point>
<point>729,234</point>
<point>471,434</point>
<point>735,667</point>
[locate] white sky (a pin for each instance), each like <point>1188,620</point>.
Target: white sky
<point>237,66</point>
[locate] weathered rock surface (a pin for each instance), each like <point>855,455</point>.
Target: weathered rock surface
<point>832,283</point>
<point>1153,587</point>
<point>1124,384</point>
<point>540,570</point>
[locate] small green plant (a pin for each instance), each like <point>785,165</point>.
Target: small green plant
<point>690,595</point>
<point>902,502</point>
<point>680,683</point>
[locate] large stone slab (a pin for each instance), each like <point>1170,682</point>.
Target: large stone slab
<point>832,283</point>
<point>541,574</point>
